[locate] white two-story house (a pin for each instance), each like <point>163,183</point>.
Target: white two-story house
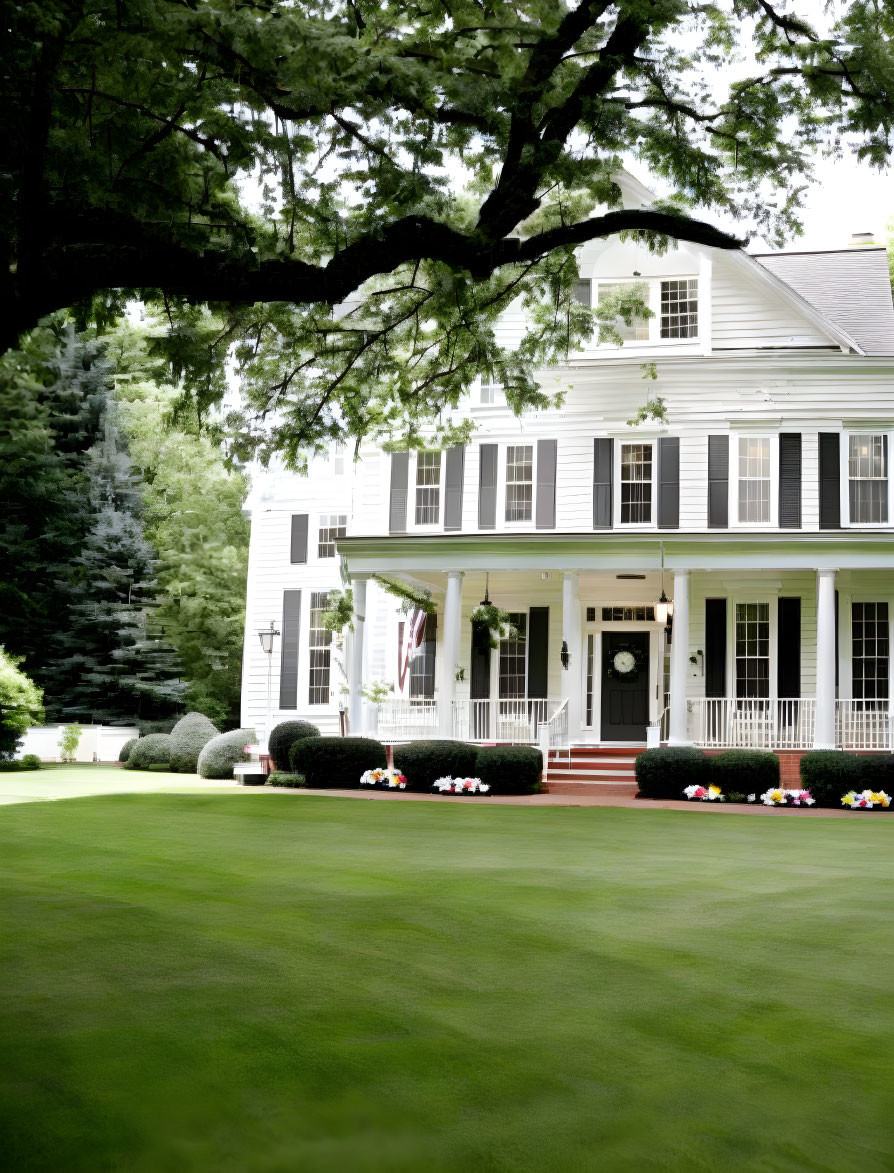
<point>760,507</point>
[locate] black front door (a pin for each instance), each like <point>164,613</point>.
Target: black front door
<point>625,695</point>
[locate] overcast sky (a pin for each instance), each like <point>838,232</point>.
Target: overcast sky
<point>848,197</point>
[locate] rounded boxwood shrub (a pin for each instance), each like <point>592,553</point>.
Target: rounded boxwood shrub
<point>510,769</point>
<point>830,773</point>
<point>188,738</point>
<point>221,753</point>
<point>124,752</point>
<point>749,771</point>
<point>284,736</point>
<point>30,761</point>
<point>154,750</point>
<point>425,761</point>
<point>328,762</point>
<point>877,773</point>
<point>665,772</point>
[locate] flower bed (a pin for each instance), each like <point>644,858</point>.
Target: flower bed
<point>703,793</point>
<point>383,779</point>
<point>463,786</point>
<point>779,797</point>
<point>865,800</point>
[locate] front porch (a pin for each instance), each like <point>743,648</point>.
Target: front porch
<point>790,657</point>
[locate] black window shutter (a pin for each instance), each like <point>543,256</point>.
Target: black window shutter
<point>545,512</point>
<point>487,486</point>
<point>836,640</point>
<point>789,483</point>
<point>715,647</point>
<point>602,482</point>
<point>538,651</point>
<point>718,482</point>
<point>668,482</point>
<point>479,675</point>
<point>397,512</point>
<point>453,488</point>
<point>788,644</point>
<point>299,538</point>
<point>288,671</point>
<point>829,481</point>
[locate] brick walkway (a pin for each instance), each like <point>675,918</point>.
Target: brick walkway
<point>583,800</point>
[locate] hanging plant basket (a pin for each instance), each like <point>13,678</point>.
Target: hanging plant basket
<point>492,623</point>
<point>624,662</point>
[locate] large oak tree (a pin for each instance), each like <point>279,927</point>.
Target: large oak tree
<point>421,165</point>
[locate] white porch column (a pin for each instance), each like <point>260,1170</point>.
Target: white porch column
<point>678,733</point>
<point>572,678</point>
<point>824,729</point>
<point>355,710</point>
<point>452,618</point>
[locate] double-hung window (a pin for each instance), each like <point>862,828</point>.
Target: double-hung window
<point>519,482</point>
<point>428,488</point>
<point>868,479</point>
<point>679,308</point>
<point>754,480</point>
<point>320,645</point>
<point>332,527</point>
<point>636,484</point>
<point>752,650</point>
<point>513,659</point>
<point>870,654</point>
<point>638,330</point>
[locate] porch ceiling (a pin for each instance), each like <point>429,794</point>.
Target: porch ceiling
<point>418,553</point>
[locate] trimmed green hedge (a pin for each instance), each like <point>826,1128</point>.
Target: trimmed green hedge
<point>750,770</point>
<point>328,762</point>
<point>223,752</point>
<point>510,769</point>
<point>666,771</point>
<point>281,778</point>
<point>284,736</point>
<point>154,750</point>
<point>14,765</point>
<point>425,761</point>
<point>188,738</point>
<point>829,773</point>
<point>124,752</point>
<point>877,773</point>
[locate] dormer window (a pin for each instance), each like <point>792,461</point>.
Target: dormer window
<point>679,308</point>
<point>638,330</point>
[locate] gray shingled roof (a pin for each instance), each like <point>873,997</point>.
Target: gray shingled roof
<point>851,287</point>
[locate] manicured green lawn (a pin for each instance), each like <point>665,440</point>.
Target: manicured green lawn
<point>288,985</point>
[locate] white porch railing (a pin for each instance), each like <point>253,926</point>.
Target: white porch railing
<point>403,719</point>
<point>513,720</point>
<point>738,723</point>
<point>860,725</point>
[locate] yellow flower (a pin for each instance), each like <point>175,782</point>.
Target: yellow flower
<point>848,799</point>
<point>714,789</point>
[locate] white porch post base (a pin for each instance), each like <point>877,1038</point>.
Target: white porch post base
<point>355,704</point>
<point>678,732</point>
<point>571,634</point>
<point>452,617</point>
<point>824,727</point>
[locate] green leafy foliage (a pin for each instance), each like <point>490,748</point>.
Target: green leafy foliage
<point>69,741</point>
<point>666,771</point>
<point>750,770</point>
<point>152,750</point>
<point>283,737</point>
<point>420,167</point>
<point>510,769</point>
<point>188,737</point>
<point>339,612</point>
<point>283,778</point>
<point>424,761</point>
<point>221,753</point>
<point>124,752</point>
<point>336,762</point>
<point>492,623</point>
<point>21,704</point>
<point>830,773</point>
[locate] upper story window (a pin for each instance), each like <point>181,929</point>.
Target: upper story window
<point>679,308</point>
<point>583,291</point>
<point>519,482</point>
<point>868,479</point>
<point>638,330</point>
<point>338,459</point>
<point>754,480</point>
<point>490,392</point>
<point>636,484</point>
<point>332,527</point>
<point>428,488</point>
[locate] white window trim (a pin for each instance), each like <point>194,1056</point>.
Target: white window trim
<point>616,484</point>
<point>844,479</point>
<point>735,522</point>
<point>502,463</point>
<point>429,527</point>
<point>328,559</point>
<point>499,401</point>
<point>653,300</point>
